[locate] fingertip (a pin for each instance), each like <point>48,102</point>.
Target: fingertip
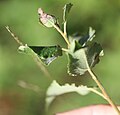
<point>92,110</point>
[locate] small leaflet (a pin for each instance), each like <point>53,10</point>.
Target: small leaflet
<point>66,10</point>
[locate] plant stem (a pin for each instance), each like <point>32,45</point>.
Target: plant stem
<point>65,28</point>
<point>63,35</point>
<point>97,92</point>
<point>14,36</point>
<point>65,50</point>
<point>94,77</point>
<point>41,66</point>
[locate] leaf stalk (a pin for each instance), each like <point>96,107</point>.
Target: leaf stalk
<point>65,28</point>
<point>63,35</point>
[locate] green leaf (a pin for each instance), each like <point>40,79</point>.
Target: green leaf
<point>46,53</point>
<point>83,55</point>
<point>93,52</point>
<point>77,64</point>
<point>47,19</point>
<point>66,10</point>
<point>55,90</point>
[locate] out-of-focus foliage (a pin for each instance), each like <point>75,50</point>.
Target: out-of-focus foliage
<point>22,17</point>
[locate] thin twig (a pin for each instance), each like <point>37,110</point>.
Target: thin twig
<point>40,65</point>
<point>60,31</point>
<point>35,57</point>
<point>94,77</point>
<point>32,87</point>
<point>14,36</point>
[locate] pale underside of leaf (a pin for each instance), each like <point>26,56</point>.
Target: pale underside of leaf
<point>55,90</point>
<point>78,64</point>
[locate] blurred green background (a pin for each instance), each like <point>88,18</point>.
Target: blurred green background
<point>22,17</point>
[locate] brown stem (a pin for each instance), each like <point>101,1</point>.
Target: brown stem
<point>14,36</point>
<point>94,77</point>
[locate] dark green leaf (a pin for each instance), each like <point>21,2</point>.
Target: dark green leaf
<point>46,19</point>
<point>94,51</point>
<point>48,53</point>
<point>66,8</point>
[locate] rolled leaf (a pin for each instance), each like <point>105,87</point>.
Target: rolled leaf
<point>47,19</point>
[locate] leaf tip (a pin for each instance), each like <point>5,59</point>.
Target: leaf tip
<point>66,10</point>
<point>91,33</point>
<point>101,53</point>
<point>40,11</point>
